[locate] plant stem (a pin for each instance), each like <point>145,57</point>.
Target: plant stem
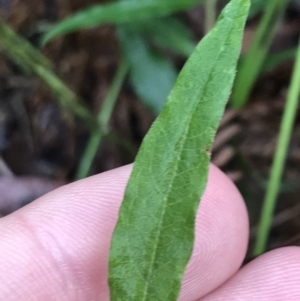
<point>103,120</point>
<point>279,159</point>
<point>210,14</point>
<point>33,61</point>
<point>252,63</point>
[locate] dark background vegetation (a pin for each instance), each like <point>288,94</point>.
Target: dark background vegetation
<point>41,147</point>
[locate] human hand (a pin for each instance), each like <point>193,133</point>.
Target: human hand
<point>57,247</point>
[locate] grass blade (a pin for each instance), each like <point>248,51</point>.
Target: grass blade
<point>274,184</point>
<point>103,118</point>
<point>151,74</point>
<point>252,64</point>
<point>154,236</point>
<point>117,13</point>
<point>34,62</point>
<point>210,14</point>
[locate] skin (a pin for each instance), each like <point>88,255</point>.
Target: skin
<point>57,247</point>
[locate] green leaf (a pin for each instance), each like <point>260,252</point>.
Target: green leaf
<point>256,7</point>
<point>117,13</point>
<point>170,33</point>
<point>252,64</point>
<point>154,236</point>
<point>151,74</point>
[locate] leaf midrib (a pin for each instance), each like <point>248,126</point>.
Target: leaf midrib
<point>174,172</point>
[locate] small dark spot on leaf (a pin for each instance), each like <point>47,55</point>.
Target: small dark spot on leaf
<point>208,150</point>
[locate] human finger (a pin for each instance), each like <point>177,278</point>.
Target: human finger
<point>57,247</point>
<point>274,276</point>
